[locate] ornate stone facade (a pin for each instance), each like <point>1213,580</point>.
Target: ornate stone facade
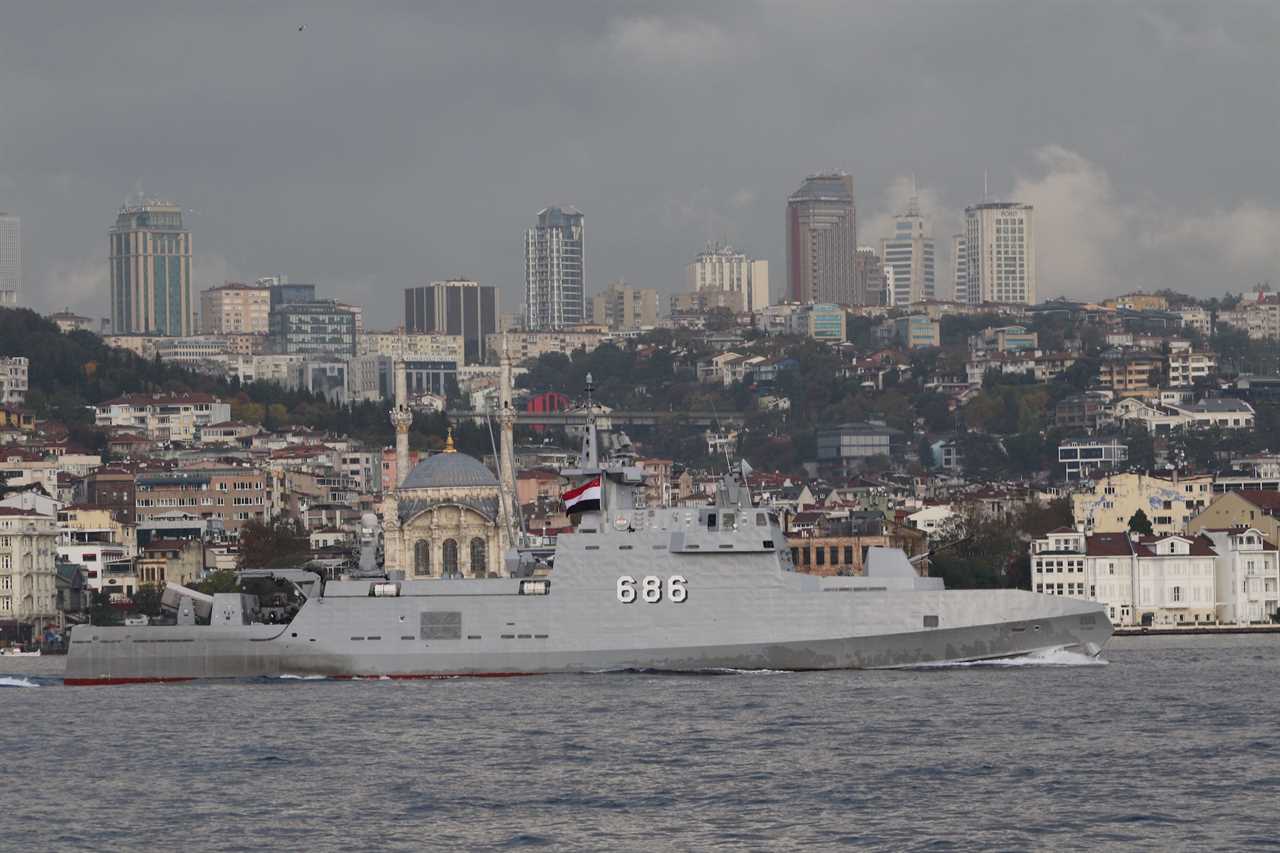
<point>443,521</point>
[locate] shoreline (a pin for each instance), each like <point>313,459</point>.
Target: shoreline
<point>1195,630</point>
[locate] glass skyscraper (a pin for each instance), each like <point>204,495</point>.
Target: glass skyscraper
<point>150,271</point>
<point>10,260</point>
<point>555,282</point>
<point>454,307</point>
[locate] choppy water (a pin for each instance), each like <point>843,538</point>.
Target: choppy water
<point>1173,745</point>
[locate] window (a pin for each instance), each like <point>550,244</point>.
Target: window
<point>450,557</point>
<point>1177,593</point>
<point>422,557</point>
<point>479,558</point>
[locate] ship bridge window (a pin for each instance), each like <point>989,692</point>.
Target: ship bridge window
<point>762,520</point>
<point>711,521</point>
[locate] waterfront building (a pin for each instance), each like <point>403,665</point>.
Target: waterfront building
<point>458,307</point>
<point>1258,509</point>
<point>235,308</point>
<point>318,328</point>
<point>822,241</point>
<point>28,572</point>
<point>721,269</point>
<point>1169,504</point>
<point>1247,575</point>
<point>909,252</point>
<point>10,260</point>
<point>1000,257</point>
<point>555,270</point>
<point>150,271</point>
<point>621,307</point>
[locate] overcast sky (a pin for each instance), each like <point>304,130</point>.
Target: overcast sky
<point>389,144</point>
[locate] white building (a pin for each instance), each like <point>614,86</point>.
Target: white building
<point>934,520</point>
<point>959,269</point>
<point>909,252</point>
<point>426,347</point>
<point>525,345</point>
<point>1185,365</point>
<point>234,309</point>
<point>10,260</point>
<point>1158,580</point>
<point>1247,575</point>
<point>1222,412</point>
<point>163,417</point>
<point>1198,319</point>
<point>13,380</point>
<point>555,277</point>
<point>1259,320</point>
<point>28,572</point>
<point>721,269</point>
<point>1000,257</point>
<point>191,350</point>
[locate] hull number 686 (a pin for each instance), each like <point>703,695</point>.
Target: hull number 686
<point>649,589</point>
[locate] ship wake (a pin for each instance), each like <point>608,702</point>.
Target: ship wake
<point>1048,657</point>
<point>6,681</point>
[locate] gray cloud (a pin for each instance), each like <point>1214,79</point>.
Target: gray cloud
<point>389,144</point>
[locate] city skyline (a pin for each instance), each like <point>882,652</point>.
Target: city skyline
<point>629,136</point>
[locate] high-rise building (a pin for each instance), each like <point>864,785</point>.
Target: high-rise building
<point>458,306</point>
<point>283,293</point>
<point>150,271</point>
<point>10,260</point>
<point>554,270</point>
<point>321,327</point>
<point>235,309</point>
<point>822,241</point>
<point>910,252</point>
<point>875,278</point>
<point>720,268</point>
<point>1000,257</point>
<point>622,306</point>
<point>959,269</point>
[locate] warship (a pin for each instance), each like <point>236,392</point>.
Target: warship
<point>632,587</point>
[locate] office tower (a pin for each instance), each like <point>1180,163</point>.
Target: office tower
<point>454,307</point>
<point>150,270</point>
<point>554,262</point>
<point>1000,253</point>
<point>283,293</point>
<point>959,269</point>
<point>874,277</point>
<point>822,241</point>
<point>235,309</point>
<point>10,260</point>
<point>622,306</point>
<point>910,252</point>
<point>720,268</point>
<point>320,327</point>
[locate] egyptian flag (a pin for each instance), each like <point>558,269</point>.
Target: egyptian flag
<point>584,498</point>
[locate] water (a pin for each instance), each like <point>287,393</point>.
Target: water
<point>1174,744</point>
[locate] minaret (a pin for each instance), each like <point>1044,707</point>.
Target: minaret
<point>506,462</point>
<point>401,419</point>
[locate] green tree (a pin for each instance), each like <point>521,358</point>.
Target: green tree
<point>223,580</point>
<point>1139,523</point>
<point>279,543</point>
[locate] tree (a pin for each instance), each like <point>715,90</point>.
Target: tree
<point>146,600</point>
<point>1139,523</point>
<point>223,580</point>
<point>279,543</point>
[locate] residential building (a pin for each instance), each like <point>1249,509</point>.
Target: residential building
<point>28,574</point>
<point>321,327</point>
<point>526,345</point>
<point>456,307</point>
<point>1247,576</point>
<point>1222,412</point>
<point>721,269</point>
<point>1197,319</point>
<point>1141,580</point>
<point>704,301</point>
<point>1129,370</point>
<point>934,520</point>
<point>191,351</point>
<point>222,497</point>
<point>235,308</point>
<point>1082,458</point>
<point>10,260</point>
<point>876,281</point>
<point>960,269</point>
<point>432,347</point>
<point>1169,504</point>
<point>68,321</point>
<point>325,377</point>
<point>1259,319</point>
<point>621,307</point>
<point>151,271</point>
<point>163,417</point>
<point>112,488</point>
<point>909,252</point>
<point>1137,302</point>
<point>1005,339</point>
<point>14,380</point>
<point>555,270</point>
<point>1000,257</point>
<point>164,560</point>
<point>1185,366</point>
<point>822,241</point>
<point>1259,510</point>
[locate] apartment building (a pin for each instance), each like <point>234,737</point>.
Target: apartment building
<point>227,497</point>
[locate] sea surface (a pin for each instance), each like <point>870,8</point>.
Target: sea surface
<point>1174,744</point>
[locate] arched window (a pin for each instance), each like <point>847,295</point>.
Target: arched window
<point>422,557</point>
<point>450,557</point>
<point>479,560</point>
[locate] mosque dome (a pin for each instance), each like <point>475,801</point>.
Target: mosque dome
<point>449,470</point>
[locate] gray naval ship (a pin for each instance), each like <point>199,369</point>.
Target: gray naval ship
<point>631,588</point>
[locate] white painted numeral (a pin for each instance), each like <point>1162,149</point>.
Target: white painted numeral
<point>676,590</point>
<point>626,589</point>
<point>651,589</point>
